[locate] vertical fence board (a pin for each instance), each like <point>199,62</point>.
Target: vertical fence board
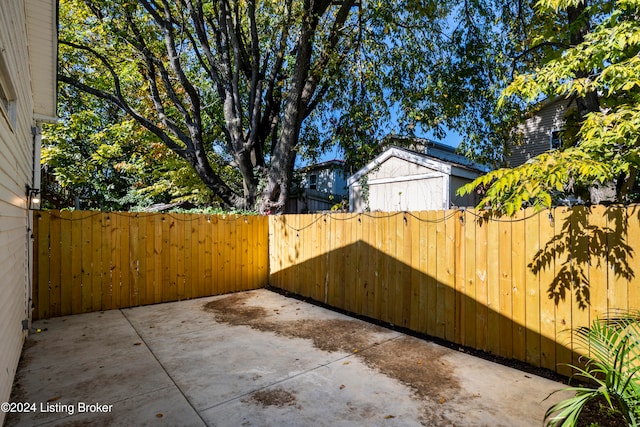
<point>546,274</point>
<point>54,264</point>
<point>105,261</point>
<point>598,271</point>
<point>471,279</point>
<point>149,254</point>
<point>531,288</point>
<point>42,244</point>
<point>633,257</point>
<point>481,269</point>
<point>87,261</point>
<point>564,289</point>
<point>416,283</point>
<point>460,285</point>
<point>618,265</point>
<point>518,287</point>
<point>580,272</point>
<point>506,281</point>
<point>188,257</point>
<point>65,268</point>
<point>450,310</point>
<point>94,227</point>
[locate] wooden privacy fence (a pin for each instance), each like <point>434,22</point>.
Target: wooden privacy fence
<point>92,261</point>
<point>509,286</point>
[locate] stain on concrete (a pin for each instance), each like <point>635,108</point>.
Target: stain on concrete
<point>273,397</point>
<point>416,363</point>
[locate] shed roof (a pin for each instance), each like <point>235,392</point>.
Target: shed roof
<point>432,161</point>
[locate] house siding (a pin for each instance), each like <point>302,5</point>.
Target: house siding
<point>16,166</point>
<point>536,132</point>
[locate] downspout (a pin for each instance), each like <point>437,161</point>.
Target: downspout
<point>36,133</point>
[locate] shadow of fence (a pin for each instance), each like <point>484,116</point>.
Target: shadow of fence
<point>513,287</point>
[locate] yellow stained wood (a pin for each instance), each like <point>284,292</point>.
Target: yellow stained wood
<point>42,243</point>
<point>481,277</point>
<point>633,239</point>
<point>532,287</point>
<point>460,288</point>
<point>134,260</point>
<point>417,282</point>
<point>87,261</point>
<point>350,262</point>
<point>126,264</point>
<point>546,274</point>
<point>187,267</point>
<point>76,263</point>
<point>470,280</point>
<point>158,259</point>
<point>180,246</point>
<point>150,274</point>
<point>580,258</point>
<point>518,285</point>
<point>358,267</point>
<point>619,259</point>
<point>230,272</point>
<point>394,260</point>
<point>493,286</point>
<point>442,274</point>
<point>305,238</point>
<point>215,265</point>
<point>248,245</point>
<point>431,272</point>
<point>382,294</point>
<point>65,267</point>
<point>93,227</point>
<point>598,268</point>
<point>166,281</point>
<point>506,282</point>
<point>452,222</point>
<point>564,293</point>
<point>369,264</point>
<point>105,261</point>
<point>320,236</point>
<point>404,260</point>
<point>55,264</point>
<point>199,255</point>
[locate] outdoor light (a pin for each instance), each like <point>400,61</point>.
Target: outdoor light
<point>33,196</point>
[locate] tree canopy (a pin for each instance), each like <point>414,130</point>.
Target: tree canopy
<point>258,83</point>
<point>596,64</point>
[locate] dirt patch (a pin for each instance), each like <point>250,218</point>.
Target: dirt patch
<point>234,310</point>
<point>273,397</point>
<point>414,362</point>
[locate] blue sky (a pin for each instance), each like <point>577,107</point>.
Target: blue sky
<point>452,139</point>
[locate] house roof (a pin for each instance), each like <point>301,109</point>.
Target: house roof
<point>42,33</point>
<point>330,164</point>
<point>444,162</point>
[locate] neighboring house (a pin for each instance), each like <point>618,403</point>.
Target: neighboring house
<point>404,180</point>
<point>28,55</point>
<point>540,131</point>
<point>322,186</point>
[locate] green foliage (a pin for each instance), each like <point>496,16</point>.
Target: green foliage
<point>604,66</point>
<point>539,182</point>
<point>612,369</point>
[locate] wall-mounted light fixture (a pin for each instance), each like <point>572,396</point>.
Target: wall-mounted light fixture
<point>33,197</point>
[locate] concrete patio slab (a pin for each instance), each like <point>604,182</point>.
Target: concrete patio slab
<point>259,358</point>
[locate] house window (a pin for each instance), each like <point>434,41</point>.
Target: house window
<point>556,142</point>
<point>313,182</point>
<point>7,94</point>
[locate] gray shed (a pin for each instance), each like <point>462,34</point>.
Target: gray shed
<point>405,180</point>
